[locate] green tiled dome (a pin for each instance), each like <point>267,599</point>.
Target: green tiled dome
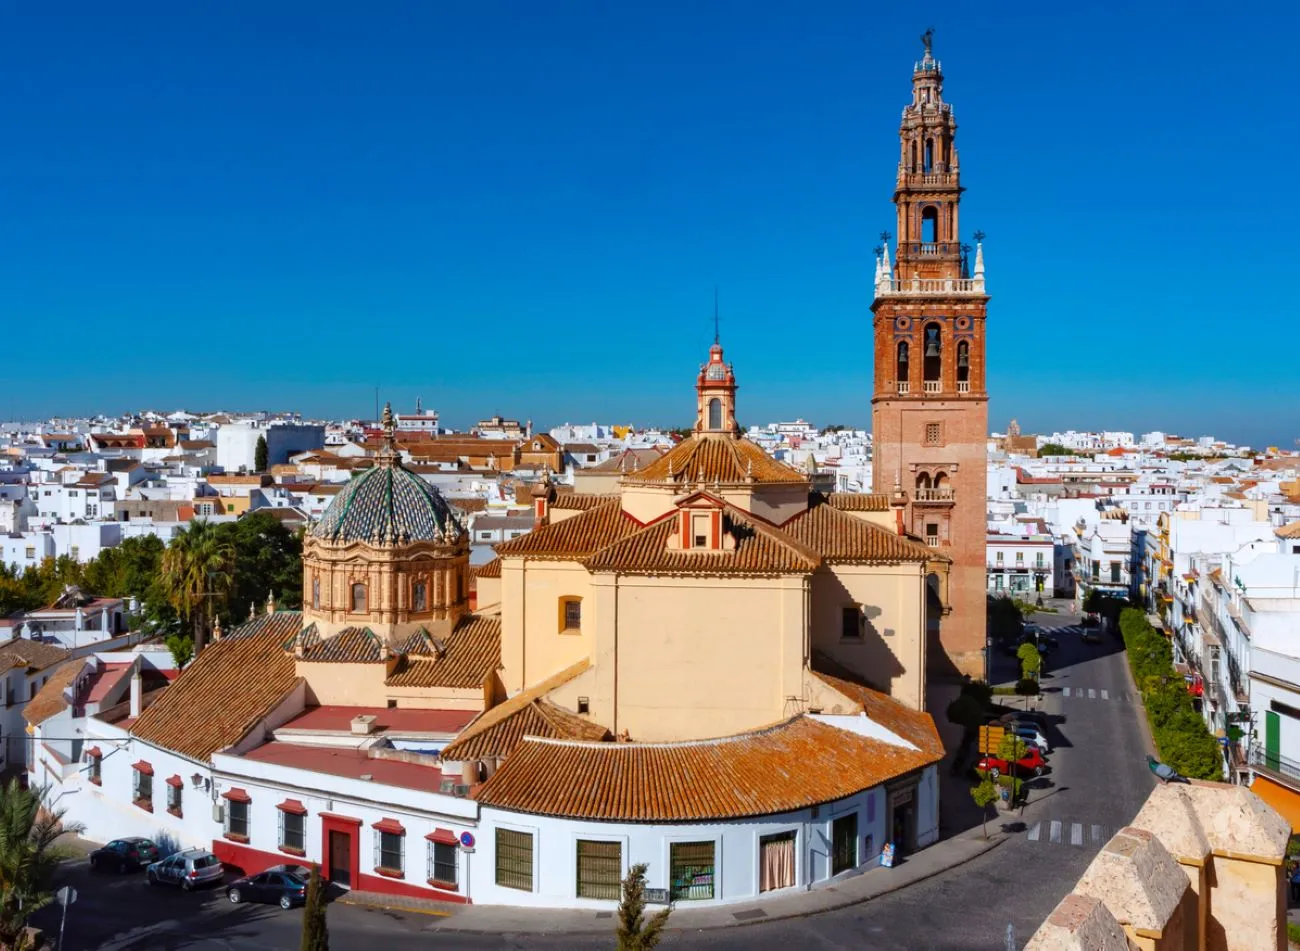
<point>388,505</point>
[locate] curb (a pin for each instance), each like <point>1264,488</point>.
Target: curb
<point>1144,720</point>
<point>988,845</point>
<point>380,906</point>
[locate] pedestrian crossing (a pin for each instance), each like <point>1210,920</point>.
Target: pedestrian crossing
<point>1095,693</point>
<point>1070,834</point>
<point>1067,629</point>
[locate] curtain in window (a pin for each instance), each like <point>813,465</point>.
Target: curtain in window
<point>776,862</point>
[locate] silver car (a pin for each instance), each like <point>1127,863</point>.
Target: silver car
<point>187,869</point>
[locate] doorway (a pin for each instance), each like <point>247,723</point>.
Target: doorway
<point>902,819</point>
<point>340,853</point>
<point>776,861</point>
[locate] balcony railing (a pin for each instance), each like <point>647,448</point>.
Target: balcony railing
<point>1276,764</point>
<point>963,386</point>
<point>933,495</point>
<point>931,285</point>
<point>926,178</point>
<point>933,386</point>
<point>903,387</point>
<point>928,249</point>
<point>932,541</point>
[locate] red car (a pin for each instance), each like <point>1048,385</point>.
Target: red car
<point>1031,762</point>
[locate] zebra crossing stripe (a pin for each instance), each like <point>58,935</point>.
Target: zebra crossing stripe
<point>1092,694</point>
<point>1096,835</point>
<point>1076,834</point>
<point>1033,833</point>
<point>1056,831</point>
<point>1065,691</point>
<point>1104,696</point>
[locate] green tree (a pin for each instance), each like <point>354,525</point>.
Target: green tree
<point>28,856</point>
<point>181,646</point>
<point>1031,661</point>
<point>1004,619</point>
<point>968,713</point>
<point>197,571</point>
<point>259,454</point>
<point>267,561</point>
<point>315,932</point>
<point>985,793</point>
<point>1054,449</point>
<point>635,933</point>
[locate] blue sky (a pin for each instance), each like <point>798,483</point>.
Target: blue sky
<point>524,207</point>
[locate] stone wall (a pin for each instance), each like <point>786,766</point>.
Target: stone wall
<point>1199,869</point>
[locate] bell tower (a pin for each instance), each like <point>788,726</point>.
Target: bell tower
<point>929,407</point>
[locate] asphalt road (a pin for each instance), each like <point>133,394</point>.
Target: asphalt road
<point>1098,781</point>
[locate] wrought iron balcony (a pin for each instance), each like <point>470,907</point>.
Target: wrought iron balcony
<point>1276,766</point>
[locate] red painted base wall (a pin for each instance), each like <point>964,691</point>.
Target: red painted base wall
<point>250,861</point>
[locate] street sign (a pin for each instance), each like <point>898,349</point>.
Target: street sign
<point>991,738</point>
<point>66,895</point>
<point>466,840</point>
<point>656,896</point>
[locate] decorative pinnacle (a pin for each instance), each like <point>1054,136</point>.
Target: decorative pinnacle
<point>885,236</point>
<point>979,236</point>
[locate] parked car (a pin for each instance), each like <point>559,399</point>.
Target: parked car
<point>283,885</point>
<point>124,855</point>
<point>187,869</point>
<point>1031,762</point>
<point>1031,734</point>
<point>1091,636</point>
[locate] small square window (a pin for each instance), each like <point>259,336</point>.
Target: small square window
<point>934,434</point>
<point>851,622</point>
<point>573,615</point>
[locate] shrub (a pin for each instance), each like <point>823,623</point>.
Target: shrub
<point>1027,687</point>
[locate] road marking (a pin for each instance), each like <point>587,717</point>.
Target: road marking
<point>1076,834</point>
<point>1104,695</point>
<point>1096,835</point>
<point>1056,831</point>
<point>1033,833</point>
<point>1092,694</point>
<point>1065,692</point>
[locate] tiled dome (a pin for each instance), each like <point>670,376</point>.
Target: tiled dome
<point>388,505</point>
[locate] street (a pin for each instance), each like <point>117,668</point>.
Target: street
<point>1099,779</point>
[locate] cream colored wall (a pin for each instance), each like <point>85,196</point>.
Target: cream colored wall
<point>1247,906</point>
<point>891,654</point>
<point>532,648</point>
<point>645,503</point>
<point>345,685</point>
<point>442,698</point>
<point>687,658</point>
<point>776,503</point>
<point>513,600</point>
<point>487,595</point>
<point>596,483</point>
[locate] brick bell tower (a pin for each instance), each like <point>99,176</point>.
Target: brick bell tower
<point>930,407</point>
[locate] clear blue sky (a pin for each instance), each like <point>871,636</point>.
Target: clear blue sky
<point>524,207</point>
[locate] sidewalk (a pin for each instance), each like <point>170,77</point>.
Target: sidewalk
<point>870,884</point>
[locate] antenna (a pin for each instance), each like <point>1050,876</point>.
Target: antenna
<point>717,335</point>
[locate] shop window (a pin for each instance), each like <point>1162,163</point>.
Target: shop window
<point>514,858</point>
<point>600,869</point>
<point>844,843</point>
<point>776,860</point>
<point>691,871</point>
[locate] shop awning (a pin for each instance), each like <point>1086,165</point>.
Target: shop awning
<point>1282,798</point>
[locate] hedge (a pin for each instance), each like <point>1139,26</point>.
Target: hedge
<point>1182,738</point>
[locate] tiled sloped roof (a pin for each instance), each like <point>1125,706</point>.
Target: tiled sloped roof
<point>627,461</point>
<point>574,538</point>
<point>490,570</point>
<point>508,722</point>
<point>716,459</point>
<point>915,726</point>
<point>858,501</point>
<point>581,501</point>
<point>538,718</point>
<point>473,652</point>
<point>49,700</point>
<point>840,537</point>
<point>352,645</point>
<point>34,655</point>
<point>281,624</point>
<point>793,765</point>
<point>224,693</point>
<point>1291,530</point>
<point>760,549</point>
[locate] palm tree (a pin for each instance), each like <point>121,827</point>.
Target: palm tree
<point>197,573</point>
<point>28,856</point>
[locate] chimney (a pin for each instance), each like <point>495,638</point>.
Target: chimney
<point>137,688</point>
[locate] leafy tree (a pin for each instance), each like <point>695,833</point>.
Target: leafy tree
<point>635,933</point>
<point>181,646</point>
<point>315,933</point>
<point>1054,449</point>
<point>967,713</point>
<point>259,454</point>
<point>985,793</point>
<point>267,561</point>
<point>1004,618</point>
<point>197,571</point>
<point>1031,661</point>
<point>28,856</point>
<point>979,690</point>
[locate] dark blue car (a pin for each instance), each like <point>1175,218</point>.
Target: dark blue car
<point>283,885</point>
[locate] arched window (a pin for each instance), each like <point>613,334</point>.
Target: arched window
<point>419,597</point>
<point>963,362</point>
<point>923,480</point>
<point>315,593</point>
<point>358,598</point>
<point>941,480</point>
<point>715,413</point>
<point>933,352</point>
<point>930,224</point>
<point>903,354</point>
<point>929,155</point>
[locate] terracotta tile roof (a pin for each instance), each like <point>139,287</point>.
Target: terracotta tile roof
<point>223,694</point>
<point>490,570</point>
<point>858,501</point>
<point>497,731</point>
<point>49,700</point>
<point>915,726</point>
<point>716,459</point>
<point>761,549</point>
<point>574,538</point>
<point>469,505</point>
<point>581,501</point>
<point>473,652</point>
<point>34,655</point>
<point>629,460</point>
<point>1291,530</point>
<point>352,645</point>
<point>793,765</point>
<point>840,537</point>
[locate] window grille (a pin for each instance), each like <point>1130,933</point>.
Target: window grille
<point>600,869</point>
<point>691,871</point>
<point>442,863</point>
<point>514,859</point>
